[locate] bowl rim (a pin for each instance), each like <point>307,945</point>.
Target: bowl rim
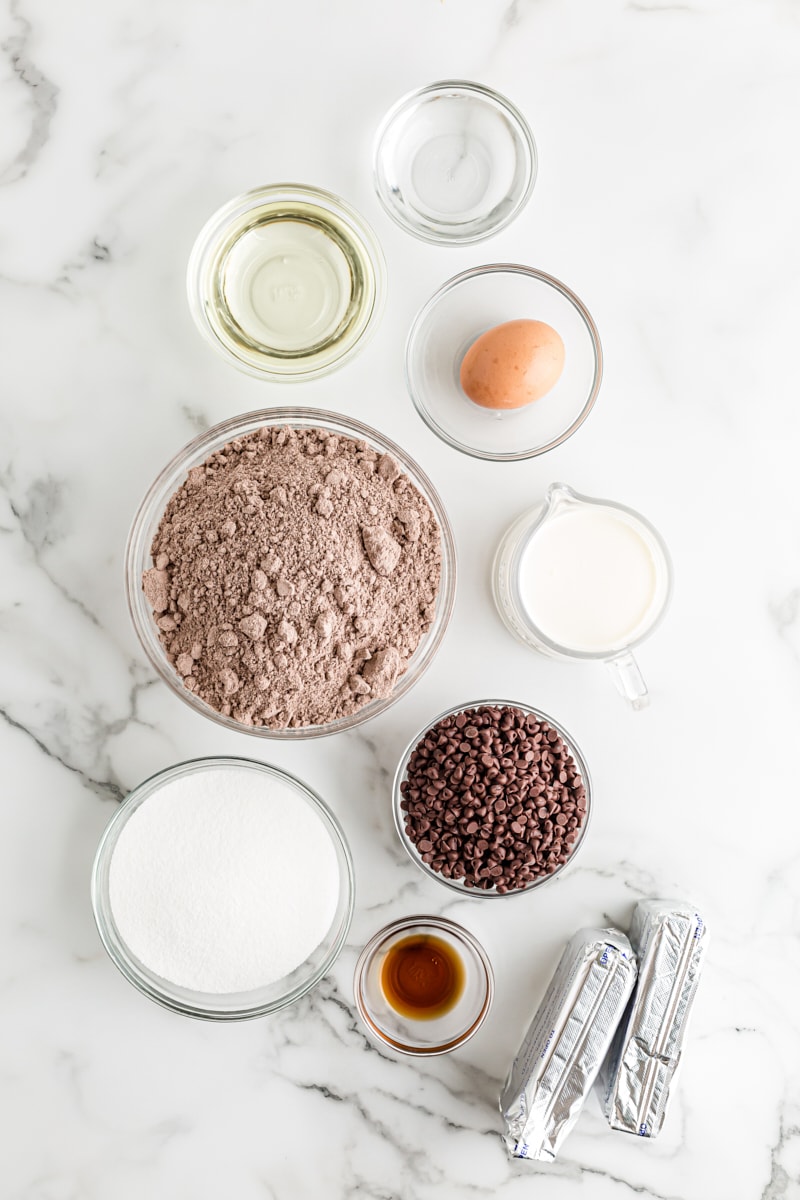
<point>187,1001</point>
<point>455,885</point>
<point>423,315</point>
<point>460,934</point>
<point>482,92</point>
<point>171,477</point>
<point>214,227</point>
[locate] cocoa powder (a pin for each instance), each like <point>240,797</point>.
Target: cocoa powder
<point>295,572</point>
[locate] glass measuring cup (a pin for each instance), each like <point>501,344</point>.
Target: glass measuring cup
<point>584,579</point>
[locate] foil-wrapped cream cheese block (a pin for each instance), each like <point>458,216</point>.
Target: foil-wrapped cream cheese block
<point>670,939</point>
<point>566,1042</point>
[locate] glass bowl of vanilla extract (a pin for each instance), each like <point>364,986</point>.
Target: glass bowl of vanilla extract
<point>423,986</point>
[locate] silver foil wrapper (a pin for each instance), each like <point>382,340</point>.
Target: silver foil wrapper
<point>670,941</point>
<point>566,1042</point>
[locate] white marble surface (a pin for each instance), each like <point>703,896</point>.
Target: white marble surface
<point>668,199</point>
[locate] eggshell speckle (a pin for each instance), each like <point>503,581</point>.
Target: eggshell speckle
<point>512,364</point>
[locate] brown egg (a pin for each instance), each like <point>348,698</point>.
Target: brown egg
<point>512,364</point>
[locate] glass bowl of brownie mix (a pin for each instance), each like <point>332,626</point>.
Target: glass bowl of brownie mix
<point>290,573</point>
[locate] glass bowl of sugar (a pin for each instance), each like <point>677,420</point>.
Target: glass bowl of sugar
<point>223,888</point>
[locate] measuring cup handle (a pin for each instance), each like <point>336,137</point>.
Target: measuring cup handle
<point>628,679</point>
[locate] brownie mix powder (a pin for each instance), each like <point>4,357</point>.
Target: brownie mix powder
<point>295,573</point>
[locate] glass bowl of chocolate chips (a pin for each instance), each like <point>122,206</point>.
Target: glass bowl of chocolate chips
<point>290,573</point>
<point>492,799</point>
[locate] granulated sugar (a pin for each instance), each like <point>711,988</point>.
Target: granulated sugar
<point>295,572</point>
<point>224,880</point>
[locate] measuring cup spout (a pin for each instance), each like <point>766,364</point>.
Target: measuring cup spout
<point>557,494</point>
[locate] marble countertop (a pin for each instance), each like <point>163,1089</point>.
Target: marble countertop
<point>667,199</point>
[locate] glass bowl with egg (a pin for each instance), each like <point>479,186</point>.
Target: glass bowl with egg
<point>155,626</point>
<point>504,362</point>
<point>287,282</point>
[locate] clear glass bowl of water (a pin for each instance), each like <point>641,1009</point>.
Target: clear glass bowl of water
<point>454,162</point>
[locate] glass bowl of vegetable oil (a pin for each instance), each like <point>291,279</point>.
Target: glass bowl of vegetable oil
<point>287,282</point>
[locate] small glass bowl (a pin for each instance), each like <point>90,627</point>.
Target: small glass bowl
<point>456,885</point>
<point>235,1006</point>
<point>148,516</point>
<point>465,307</point>
<point>454,162</point>
<point>287,282</point>
<point>438,1035</point>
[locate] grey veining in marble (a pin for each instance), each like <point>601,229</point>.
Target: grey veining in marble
<point>667,198</point>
